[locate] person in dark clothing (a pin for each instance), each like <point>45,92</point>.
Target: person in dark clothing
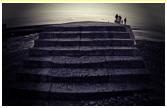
<point>125,20</point>
<point>116,18</point>
<point>120,18</point>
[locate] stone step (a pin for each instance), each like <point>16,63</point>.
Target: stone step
<point>85,62</point>
<point>83,51</point>
<point>74,91</point>
<point>82,75</point>
<point>124,100</point>
<point>81,35</point>
<point>86,28</point>
<point>83,42</point>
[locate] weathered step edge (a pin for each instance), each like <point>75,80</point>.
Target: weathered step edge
<point>107,64</point>
<point>112,42</point>
<point>46,76</point>
<point>86,28</point>
<point>127,51</point>
<point>52,91</point>
<point>52,35</point>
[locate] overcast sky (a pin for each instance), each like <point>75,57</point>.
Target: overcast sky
<point>152,15</point>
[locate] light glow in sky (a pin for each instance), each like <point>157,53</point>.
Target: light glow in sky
<point>45,13</point>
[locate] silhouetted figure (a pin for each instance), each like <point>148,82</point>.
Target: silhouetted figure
<point>116,18</point>
<point>119,19</point>
<point>125,20</point>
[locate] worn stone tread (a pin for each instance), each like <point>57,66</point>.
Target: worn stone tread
<point>67,72</point>
<point>80,87</point>
<point>84,59</point>
<point>85,39</point>
<point>85,48</point>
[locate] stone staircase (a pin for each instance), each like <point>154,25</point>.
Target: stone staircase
<point>81,63</point>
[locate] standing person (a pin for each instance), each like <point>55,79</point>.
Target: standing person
<point>125,20</point>
<point>116,18</point>
<point>120,18</point>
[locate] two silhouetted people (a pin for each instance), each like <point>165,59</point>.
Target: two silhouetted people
<point>118,19</point>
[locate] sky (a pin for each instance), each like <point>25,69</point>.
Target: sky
<point>20,14</point>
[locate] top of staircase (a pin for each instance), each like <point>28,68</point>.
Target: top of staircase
<point>87,23</point>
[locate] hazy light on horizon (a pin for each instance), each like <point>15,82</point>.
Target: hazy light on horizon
<point>37,14</point>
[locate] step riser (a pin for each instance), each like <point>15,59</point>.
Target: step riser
<point>116,52</point>
<point>110,64</point>
<point>58,35</point>
<point>84,35</point>
<point>83,43</point>
<point>22,94</point>
<point>106,35</point>
<point>97,95</point>
<point>87,28</point>
<point>91,79</point>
